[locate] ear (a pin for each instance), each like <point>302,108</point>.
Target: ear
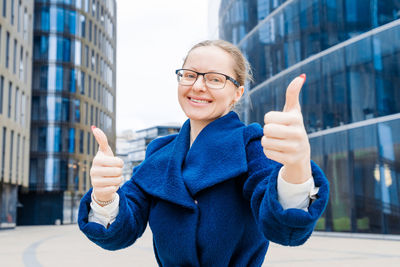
<point>238,93</point>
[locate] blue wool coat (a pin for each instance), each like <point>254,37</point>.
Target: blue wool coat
<point>212,204</point>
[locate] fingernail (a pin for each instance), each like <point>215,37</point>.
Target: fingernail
<point>93,127</point>
<point>303,76</point>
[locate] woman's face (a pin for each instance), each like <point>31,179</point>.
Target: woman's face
<point>199,102</point>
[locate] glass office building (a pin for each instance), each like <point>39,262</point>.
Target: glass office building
<point>15,92</point>
<point>350,51</point>
<point>73,87</point>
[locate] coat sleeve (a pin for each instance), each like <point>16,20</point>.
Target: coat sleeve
<point>129,224</point>
<point>290,227</point>
<point>131,221</point>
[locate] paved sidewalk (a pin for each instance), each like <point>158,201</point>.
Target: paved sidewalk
<point>59,246</point>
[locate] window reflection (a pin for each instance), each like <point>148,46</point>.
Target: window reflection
<point>352,82</point>
<point>349,84</point>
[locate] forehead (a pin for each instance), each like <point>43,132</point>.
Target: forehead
<point>210,58</point>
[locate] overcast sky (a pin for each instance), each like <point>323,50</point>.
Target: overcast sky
<point>153,36</point>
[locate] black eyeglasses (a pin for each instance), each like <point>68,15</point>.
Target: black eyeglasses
<point>213,80</point>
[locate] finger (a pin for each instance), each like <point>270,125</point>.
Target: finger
<point>292,94</point>
<point>279,131</point>
<point>105,171</point>
<point>279,145</point>
<point>286,118</point>
<point>275,155</point>
<point>101,139</point>
<point>107,161</point>
<point>98,181</point>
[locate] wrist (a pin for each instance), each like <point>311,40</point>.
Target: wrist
<point>297,173</point>
<point>101,202</point>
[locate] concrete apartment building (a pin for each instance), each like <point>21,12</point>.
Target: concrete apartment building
<point>15,101</point>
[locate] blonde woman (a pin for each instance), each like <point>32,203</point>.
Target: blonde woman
<point>216,193</point>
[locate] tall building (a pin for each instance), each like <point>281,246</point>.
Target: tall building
<point>350,51</point>
<point>15,101</point>
<point>73,87</point>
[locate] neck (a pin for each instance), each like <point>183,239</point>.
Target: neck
<point>195,128</point>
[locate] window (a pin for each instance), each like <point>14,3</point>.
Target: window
<point>93,60</point>
<point>94,89</point>
<point>15,57</point>
<point>98,92</point>
<point>90,30</point>
<point>0,39</point>
<point>21,64</point>
<point>17,108</point>
<point>7,48</point>
<point>82,83</point>
<point>1,93</point>
<point>88,144</point>
<point>94,8</point>
<point>95,35</point>
<point>93,146</point>
<point>89,85</point>
<point>83,26</point>
<point>23,107</point>
<point>71,140</point>
<point>12,12</point>
<point>11,153</point>
<point>81,137</point>
<point>17,168</point>
<point>76,110</point>
<point>25,24</point>
<point>3,156</point>
<point>91,115</point>
<point>23,154</point>
<point>5,8</point>
<point>9,98</point>
<point>19,15</point>
<point>97,63</point>
<point>86,113</point>
<point>86,5</point>
<point>87,55</point>
<point>25,68</point>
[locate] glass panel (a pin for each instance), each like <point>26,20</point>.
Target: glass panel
<point>337,170</point>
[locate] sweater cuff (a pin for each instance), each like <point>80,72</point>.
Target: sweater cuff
<point>104,215</point>
<point>295,196</point>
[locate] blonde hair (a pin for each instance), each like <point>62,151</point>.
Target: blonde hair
<point>241,67</point>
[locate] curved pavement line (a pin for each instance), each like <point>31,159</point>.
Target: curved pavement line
<point>29,254</point>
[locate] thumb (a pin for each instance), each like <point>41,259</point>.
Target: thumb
<point>101,138</point>
<point>293,92</point>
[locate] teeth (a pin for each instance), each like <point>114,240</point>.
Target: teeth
<point>199,101</point>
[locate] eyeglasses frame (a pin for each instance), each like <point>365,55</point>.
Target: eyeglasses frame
<point>236,83</point>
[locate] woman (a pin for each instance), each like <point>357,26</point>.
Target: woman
<point>216,193</point>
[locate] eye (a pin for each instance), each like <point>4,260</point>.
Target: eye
<point>189,75</point>
<point>215,78</point>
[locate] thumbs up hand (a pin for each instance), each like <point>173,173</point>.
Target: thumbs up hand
<point>106,171</point>
<point>285,139</point>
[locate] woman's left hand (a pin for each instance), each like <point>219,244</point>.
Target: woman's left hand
<point>285,139</point>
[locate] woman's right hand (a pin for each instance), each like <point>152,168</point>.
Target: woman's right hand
<point>106,171</point>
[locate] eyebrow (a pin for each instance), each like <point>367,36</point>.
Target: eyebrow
<point>217,71</point>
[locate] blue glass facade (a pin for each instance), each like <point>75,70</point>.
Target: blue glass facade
<point>350,51</point>
<point>73,87</point>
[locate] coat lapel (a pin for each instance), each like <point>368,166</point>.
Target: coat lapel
<point>160,175</point>
<point>217,154</point>
<point>175,173</point>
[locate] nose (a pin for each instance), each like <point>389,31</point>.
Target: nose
<point>199,84</point>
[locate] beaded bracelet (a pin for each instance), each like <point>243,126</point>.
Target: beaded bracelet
<point>103,203</point>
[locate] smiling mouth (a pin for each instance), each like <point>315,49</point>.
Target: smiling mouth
<point>199,100</point>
